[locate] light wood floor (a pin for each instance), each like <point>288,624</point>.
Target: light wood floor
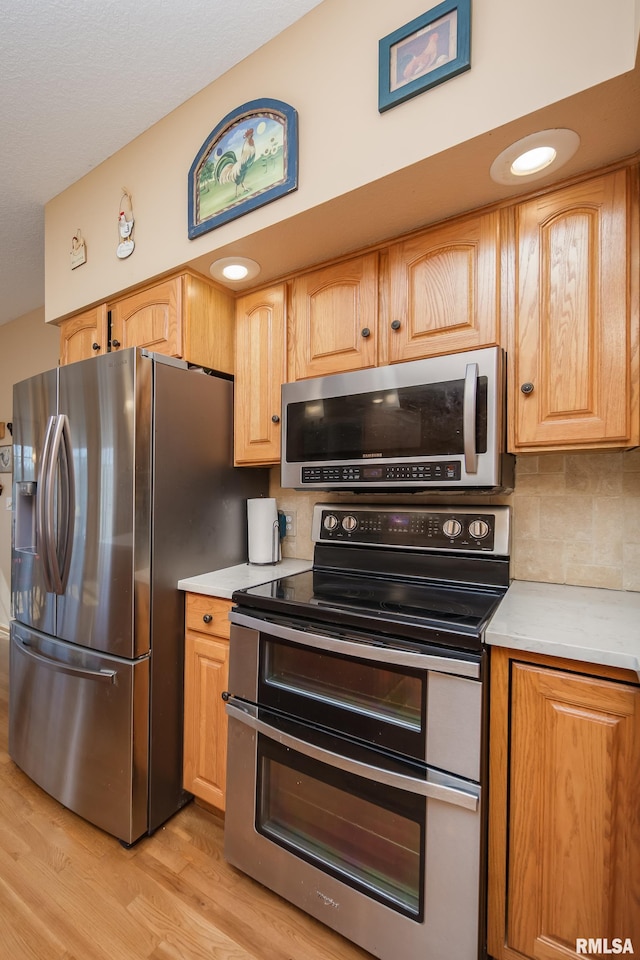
<point>68,891</point>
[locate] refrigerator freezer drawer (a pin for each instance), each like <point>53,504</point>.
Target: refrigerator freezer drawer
<point>79,727</point>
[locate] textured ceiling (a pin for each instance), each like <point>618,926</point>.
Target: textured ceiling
<point>79,79</point>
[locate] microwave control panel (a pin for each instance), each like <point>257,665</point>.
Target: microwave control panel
<point>427,472</point>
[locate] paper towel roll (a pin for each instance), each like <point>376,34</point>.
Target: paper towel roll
<point>263,529</point>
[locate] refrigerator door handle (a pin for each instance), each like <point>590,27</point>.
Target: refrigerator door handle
<point>68,498</point>
<point>106,676</point>
<point>56,551</point>
<point>44,537</point>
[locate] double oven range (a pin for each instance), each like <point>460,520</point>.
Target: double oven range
<point>357,726</point>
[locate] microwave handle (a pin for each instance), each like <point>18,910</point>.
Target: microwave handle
<point>469,418</point>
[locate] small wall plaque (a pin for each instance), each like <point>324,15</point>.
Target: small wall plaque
<point>78,252</point>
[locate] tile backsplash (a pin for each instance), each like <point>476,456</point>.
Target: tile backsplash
<point>576,518</point>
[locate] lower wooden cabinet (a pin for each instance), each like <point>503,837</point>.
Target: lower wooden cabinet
<point>206,677</point>
<point>564,829</point>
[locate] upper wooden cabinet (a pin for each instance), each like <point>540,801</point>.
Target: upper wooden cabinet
<point>333,324</point>
<point>444,290</point>
<point>260,372</point>
<point>84,335</point>
<point>564,832</point>
<point>184,316</point>
<point>573,351</point>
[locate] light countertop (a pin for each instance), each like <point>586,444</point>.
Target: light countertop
<point>580,623</point>
<point>222,583</point>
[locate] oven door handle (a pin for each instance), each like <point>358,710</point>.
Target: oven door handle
<point>348,648</point>
<point>247,714</point>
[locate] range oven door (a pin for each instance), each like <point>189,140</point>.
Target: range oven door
<point>398,696</point>
<point>386,853</point>
<point>353,783</point>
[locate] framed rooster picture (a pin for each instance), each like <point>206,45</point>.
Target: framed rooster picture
<point>429,50</point>
<point>250,158</point>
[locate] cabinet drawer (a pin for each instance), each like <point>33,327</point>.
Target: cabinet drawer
<point>201,607</point>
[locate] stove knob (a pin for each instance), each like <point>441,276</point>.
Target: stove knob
<point>478,529</point>
<point>330,522</point>
<point>349,524</point>
<point>451,528</point>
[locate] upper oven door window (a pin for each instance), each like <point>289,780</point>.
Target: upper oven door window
<point>425,420</point>
<point>378,703</point>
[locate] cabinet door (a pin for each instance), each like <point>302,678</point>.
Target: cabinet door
<point>572,375</point>
<point>444,290</point>
<point>260,372</point>
<point>207,325</point>
<point>334,319</point>
<point>205,722</point>
<point>151,318</point>
<point>84,335</point>
<point>573,868</point>
<point>206,676</point>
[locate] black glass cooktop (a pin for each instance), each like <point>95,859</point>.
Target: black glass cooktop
<point>433,612</point>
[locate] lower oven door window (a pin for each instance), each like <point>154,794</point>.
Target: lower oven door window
<point>366,834</point>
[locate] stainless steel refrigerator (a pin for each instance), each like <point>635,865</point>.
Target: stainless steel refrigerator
<point>123,484</point>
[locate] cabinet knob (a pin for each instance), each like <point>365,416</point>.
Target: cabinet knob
<point>275,418</point>
<point>395,324</point>
<point>207,618</point>
<point>527,388</point>
<point>115,343</point>
<point>365,332</point>
<point>95,346</point>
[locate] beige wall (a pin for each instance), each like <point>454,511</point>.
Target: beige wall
<point>326,66</point>
<point>576,518</point>
<point>27,346</point>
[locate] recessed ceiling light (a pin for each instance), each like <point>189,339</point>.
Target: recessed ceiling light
<point>535,156</point>
<point>532,161</point>
<point>234,269</point>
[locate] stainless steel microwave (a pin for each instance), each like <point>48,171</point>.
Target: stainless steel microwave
<point>423,425</point>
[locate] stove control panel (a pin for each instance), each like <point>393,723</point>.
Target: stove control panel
<point>482,529</point>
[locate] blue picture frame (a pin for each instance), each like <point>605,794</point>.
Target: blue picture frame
<point>250,158</point>
<point>434,47</point>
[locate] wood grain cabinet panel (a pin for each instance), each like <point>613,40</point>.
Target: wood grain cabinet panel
<point>334,319</point>
<point>444,290</point>
<point>574,360</point>
<point>183,316</point>
<point>206,677</point>
<point>150,318</point>
<point>260,372</point>
<point>566,864</point>
<point>84,335</point>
